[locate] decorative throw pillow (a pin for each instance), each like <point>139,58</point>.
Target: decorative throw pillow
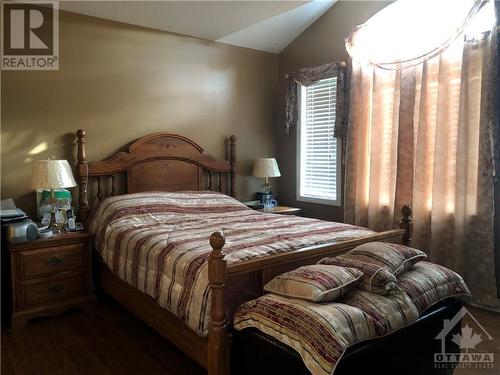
<point>316,283</point>
<point>375,279</point>
<point>428,283</point>
<point>393,257</point>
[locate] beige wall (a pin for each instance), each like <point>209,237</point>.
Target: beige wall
<point>321,43</point>
<point>120,82</point>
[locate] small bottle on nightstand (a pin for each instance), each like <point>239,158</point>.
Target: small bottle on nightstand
<point>71,220</point>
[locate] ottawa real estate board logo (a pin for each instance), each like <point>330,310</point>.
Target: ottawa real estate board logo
<point>466,334</point>
<point>30,35</point>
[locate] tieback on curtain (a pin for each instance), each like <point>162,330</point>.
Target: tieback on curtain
<point>408,32</point>
<point>308,76</point>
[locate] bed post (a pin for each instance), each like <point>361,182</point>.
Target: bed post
<point>218,350</point>
<point>82,173</point>
<point>232,160</point>
<point>406,223</point>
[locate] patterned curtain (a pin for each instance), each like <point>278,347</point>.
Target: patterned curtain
<point>425,134</point>
<point>308,76</point>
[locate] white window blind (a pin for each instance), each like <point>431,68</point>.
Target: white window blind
<point>319,166</point>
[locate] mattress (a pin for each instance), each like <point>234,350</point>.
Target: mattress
<point>158,243</point>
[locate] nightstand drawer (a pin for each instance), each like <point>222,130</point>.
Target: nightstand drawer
<point>60,288</point>
<point>53,259</point>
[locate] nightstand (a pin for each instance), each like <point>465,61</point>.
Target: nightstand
<point>283,210</point>
<point>49,276</point>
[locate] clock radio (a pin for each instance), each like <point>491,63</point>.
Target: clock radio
<point>22,231</point>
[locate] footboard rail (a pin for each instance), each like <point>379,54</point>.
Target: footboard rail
<point>308,254</point>
<point>219,273</point>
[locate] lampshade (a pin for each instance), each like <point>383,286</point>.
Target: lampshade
<point>266,167</point>
<point>52,174</point>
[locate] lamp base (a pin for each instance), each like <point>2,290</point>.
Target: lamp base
<point>266,186</point>
<point>263,197</point>
<point>54,226</point>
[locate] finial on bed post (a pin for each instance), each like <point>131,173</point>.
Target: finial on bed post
<point>406,223</point>
<point>82,172</point>
<point>218,354</point>
<point>232,160</point>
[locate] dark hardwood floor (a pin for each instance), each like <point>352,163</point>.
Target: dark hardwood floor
<point>106,339</point>
<point>103,339</point>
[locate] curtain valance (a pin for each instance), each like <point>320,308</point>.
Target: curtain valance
<point>308,76</point>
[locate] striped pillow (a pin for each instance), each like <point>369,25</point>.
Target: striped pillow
<point>393,257</point>
<point>428,283</point>
<point>375,279</point>
<point>315,283</point>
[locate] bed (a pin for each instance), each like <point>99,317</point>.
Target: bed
<point>164,162</point>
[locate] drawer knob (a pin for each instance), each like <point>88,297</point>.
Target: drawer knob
<point>55,260</point>
<point>57,288</point>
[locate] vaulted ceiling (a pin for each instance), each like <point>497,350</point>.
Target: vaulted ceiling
<point>264,25</point>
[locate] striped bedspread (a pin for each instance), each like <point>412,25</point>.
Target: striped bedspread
<point>321,332</point>
<point>158,243</point>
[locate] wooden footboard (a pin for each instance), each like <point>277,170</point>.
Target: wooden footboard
<point>219,273</point>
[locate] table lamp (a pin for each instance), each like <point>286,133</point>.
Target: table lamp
<point>49,175</point>
<point>266,168</point>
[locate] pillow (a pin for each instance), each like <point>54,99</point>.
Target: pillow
<point>393,257</point>
<point>428,283</point>
<point>315,283</point>
<point>375,279</point>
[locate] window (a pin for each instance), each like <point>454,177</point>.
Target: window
<point>319,155</point>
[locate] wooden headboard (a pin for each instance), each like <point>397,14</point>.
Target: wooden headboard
<point>155,162</point>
